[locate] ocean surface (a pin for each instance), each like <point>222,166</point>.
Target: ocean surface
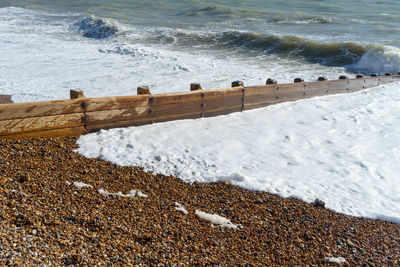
<point>112,47</point>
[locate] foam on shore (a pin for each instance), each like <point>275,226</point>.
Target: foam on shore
<point>341,149</point>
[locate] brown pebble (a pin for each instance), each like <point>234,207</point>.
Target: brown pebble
<point>46,220</point>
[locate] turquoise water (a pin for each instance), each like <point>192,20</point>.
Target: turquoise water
<point>328,37</point>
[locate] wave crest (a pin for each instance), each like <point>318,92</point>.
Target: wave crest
<point>330,54</point>
<point>354,56</point>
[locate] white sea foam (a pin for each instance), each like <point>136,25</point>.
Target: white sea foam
<point>180,207</point>
<point>215,219</point>
<point>342,149</point>
<point>380,59</point>
<point>335,260</point>
<point>131,193</point>
<point>82,185</point>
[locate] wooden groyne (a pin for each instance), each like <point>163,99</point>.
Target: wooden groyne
<point>80,115</point>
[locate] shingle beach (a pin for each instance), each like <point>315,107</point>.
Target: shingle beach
<point>60,208</point>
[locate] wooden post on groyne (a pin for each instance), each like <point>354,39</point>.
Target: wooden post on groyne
<point>79,115</point>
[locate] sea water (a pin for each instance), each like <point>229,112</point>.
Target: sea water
<point>111,47</point>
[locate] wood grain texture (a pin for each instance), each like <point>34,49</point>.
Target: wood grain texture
<point>164,99</point>
<point>76,93</point>
<point>116,102</point>
<point>290,91</point>
<point>38,109</point>
<point>260,90</point>
<point>177,104</point>
<point>318,88</point>
<point>114,115</point>
<point>44,123</point>
<point>255,94</point>
<point>260,96</point>
<point>70,131</point>
<point>177,108</point>
<point>216,100</point>
<point>338,87</point>
<point>139,121</point>
<point>160,106</point>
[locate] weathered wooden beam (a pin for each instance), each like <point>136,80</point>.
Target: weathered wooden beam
<point>216,101</point>
<point>260,96</point>
<point>170,98</point>
<point>237,84</point>
<point>271,81</point>
<point>38,109</point>
<point>44,123</point>
<point>318,88</point>
<point>72,117</point>
<point>143,90</point>
<point>140,121</point>
<point>116,102</point>
<point>264,95</point>
<point>76,93</point>
<point>289,91</point>
<point>152,109</point>
<point>195,87</point>
<point>70,131</point>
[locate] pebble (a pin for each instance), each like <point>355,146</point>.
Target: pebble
<point>55,226</point>
<point>319,203</point>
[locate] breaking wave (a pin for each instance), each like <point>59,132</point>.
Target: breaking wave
<point>355,56</point>
<point>95,28</point>
<point>332,54</point>
<point>378,59</point>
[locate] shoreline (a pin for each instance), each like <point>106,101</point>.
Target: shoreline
<point>48,219</point>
